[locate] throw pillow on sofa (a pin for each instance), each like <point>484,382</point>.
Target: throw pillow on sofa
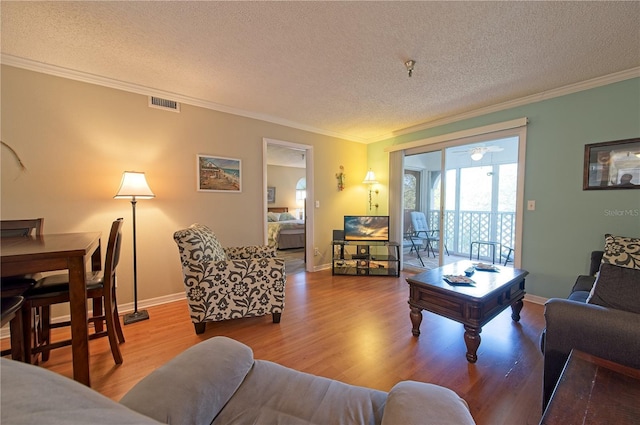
<point>617,284</point>
<point>617,288</point>
<point>622,251</point>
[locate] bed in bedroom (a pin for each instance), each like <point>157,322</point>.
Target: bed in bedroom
<point>284,230</point>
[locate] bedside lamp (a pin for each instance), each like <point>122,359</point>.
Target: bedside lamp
<point>134,186</point>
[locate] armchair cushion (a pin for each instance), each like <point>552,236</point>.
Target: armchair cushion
<point>201,243</point>
<point>228,283</point>
<point>246,252</point>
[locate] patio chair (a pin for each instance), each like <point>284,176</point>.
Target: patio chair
<point>421,231</point>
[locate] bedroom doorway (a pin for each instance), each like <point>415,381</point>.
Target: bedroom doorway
<point>288,183</point>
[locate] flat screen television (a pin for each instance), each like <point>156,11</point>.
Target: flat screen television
<point>366,228</point>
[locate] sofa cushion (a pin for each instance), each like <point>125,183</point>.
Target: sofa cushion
<point>622,251</point>
<point>194,386</point>
<point>617,287</point>
<point>411,402</point>
<point>584,283</point>
<point>34,395</point>
<point>274,394</point>
<point>579,296</point>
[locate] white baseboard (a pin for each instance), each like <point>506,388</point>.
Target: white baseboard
<point>535,299</point>
<point>321,267</point>
<point>122,309</point>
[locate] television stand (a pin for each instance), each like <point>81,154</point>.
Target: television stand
<point>365,258</point>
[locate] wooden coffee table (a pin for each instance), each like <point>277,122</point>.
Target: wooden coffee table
<point>592,390</point>
<point>473,306</point>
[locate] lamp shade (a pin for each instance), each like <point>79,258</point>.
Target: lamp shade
<point>134,185</point>
<point>370,178</point>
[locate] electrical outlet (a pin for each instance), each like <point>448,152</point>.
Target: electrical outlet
<point>316,251</point>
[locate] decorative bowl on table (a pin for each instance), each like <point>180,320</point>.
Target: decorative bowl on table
<point>486,267</point>
<point>458,280</point>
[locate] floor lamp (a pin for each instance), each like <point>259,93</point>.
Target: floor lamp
<point>134,186</point>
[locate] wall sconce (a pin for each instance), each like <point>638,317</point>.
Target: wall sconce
<point>370,179</point>
<point>341,177</point>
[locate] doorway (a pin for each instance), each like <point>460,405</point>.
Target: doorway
<point>290,163</point>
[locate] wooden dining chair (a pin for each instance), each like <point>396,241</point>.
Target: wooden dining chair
<point>54,289</point>
<point>16,286</point>
<point>21,227</point>
<point>10,313</point>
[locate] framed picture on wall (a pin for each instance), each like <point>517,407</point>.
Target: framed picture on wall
<point>271,195</point>
<point>612,165</point>
<point>219,174</point>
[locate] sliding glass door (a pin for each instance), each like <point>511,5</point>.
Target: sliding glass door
<point>481,183</point>
<point>422,203</point>
<point>467,194</point>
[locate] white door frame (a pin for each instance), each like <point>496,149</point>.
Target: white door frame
<point>309,210</point>
<point>516,127</point>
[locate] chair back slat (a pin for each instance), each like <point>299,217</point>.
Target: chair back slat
<point>112,256</point>
<point>21,227</point>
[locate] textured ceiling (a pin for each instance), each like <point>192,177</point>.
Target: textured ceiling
<point>333,67</point>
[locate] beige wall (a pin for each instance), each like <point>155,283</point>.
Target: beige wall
<point>284,179</point>
<point>76,139</point>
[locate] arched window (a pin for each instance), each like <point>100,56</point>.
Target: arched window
<point>301,190</point>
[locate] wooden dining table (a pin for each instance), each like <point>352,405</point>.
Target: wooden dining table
<point>60,251</point>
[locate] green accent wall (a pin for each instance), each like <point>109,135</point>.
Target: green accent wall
<point>568,222</point>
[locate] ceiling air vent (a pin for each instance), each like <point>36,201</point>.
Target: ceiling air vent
<point>167,105</point>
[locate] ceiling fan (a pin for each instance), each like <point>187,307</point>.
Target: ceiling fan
<point>478,152</point>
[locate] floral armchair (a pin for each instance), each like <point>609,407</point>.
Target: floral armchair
<point>228,283</point>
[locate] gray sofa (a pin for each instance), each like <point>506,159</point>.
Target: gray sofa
<point>605,325</point>
<point>219,382</point>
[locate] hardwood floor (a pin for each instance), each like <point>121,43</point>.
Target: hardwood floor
<point>354,329</point>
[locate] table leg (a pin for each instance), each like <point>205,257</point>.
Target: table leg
<point>78,308</point>
<point>472,340</point>
<point>416,319</point>
<point>515,310</point>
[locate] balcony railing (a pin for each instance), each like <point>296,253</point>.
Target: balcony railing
<point>464,227</point>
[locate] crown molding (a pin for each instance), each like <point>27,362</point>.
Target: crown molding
<point>54,70</point>
<point>549,94</point>
<point>85,77</point>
